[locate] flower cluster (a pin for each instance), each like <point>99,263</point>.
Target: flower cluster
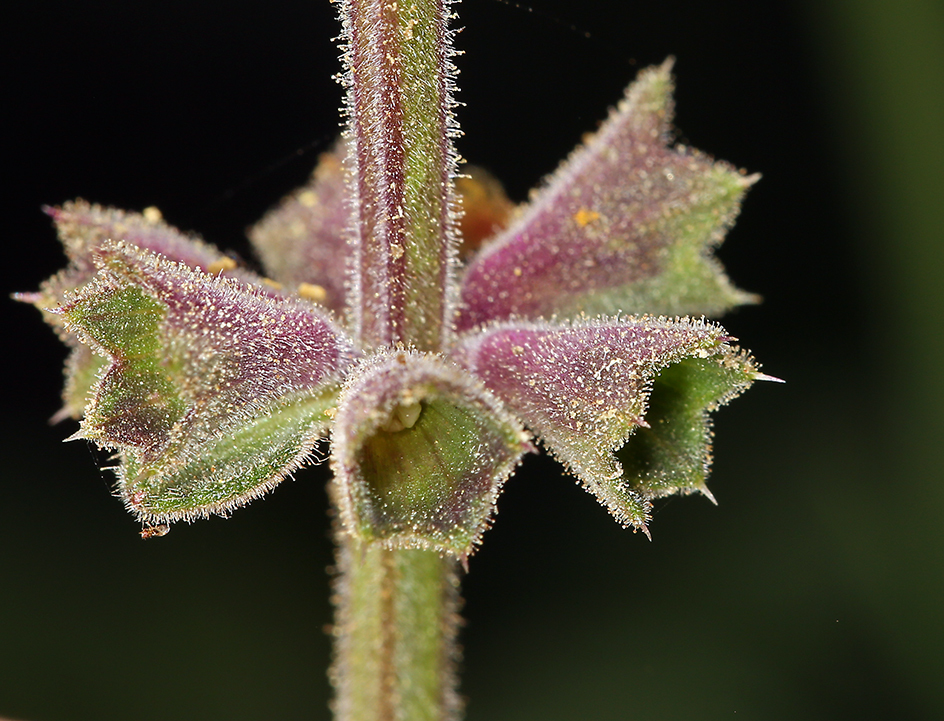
<point>577,324</point>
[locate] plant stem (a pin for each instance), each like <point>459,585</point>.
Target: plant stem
<point>396,623</point>
<point>395,652</point>
<point>402,164</point>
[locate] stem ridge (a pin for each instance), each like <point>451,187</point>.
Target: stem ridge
<point>401,167</point>
<point>395,638</point>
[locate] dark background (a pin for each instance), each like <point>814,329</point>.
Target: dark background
<point>814,591</point>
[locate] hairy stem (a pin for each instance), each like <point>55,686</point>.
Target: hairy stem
<point>402,164</point>
<point>395,650</point>
<point>397,609</point>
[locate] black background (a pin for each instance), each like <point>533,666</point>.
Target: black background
<point>813,591</point>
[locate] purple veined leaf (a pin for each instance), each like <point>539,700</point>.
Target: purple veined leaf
<point>583,388</point>
<point>214,390</point>
<point>303,243</point>
<point>420,450</point>
<point>626,224</point>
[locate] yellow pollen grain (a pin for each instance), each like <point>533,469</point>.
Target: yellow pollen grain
<point>308,199</point>
<point>152,214</point>
<point>585,216</point>
<point>218,266</point>
<point>272,283</point>
<point>310,291</point>
<point>518,272</point>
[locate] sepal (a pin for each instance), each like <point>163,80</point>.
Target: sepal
<point>420,451</point>
<point>673,454</point>
<point>583,388</point>
<point>486,208</point>
<point>303,242</point>
<point>626,224</point>
<point>213,391</point>
<point>83,228</point>
<point>82,370</point>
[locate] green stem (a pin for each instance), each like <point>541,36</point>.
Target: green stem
<point>397,617</point>
<point>395,650</point>
<point>402,164</point>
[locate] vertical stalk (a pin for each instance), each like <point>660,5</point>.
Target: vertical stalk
<point>395,634</point>
<point>397,56</point>
<point>396,623</point>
